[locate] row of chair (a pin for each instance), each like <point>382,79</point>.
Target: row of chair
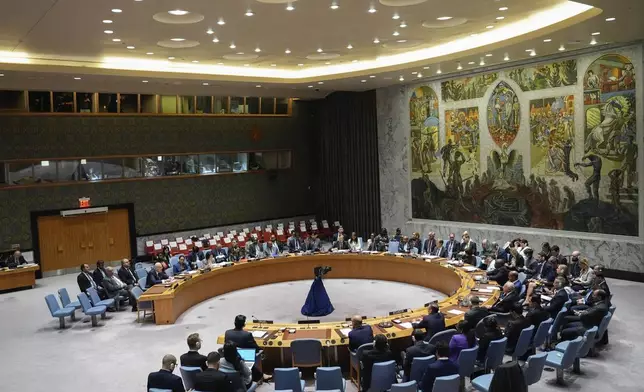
<point>91,308</point>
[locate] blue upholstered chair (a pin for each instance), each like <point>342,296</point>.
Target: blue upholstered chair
<point>603,327</point>
<point>64,299</point>
<point>138,265</point>
<point>561,361</point>
<point>584,349</point>
<point>447,384</point>
<point>161,390</point>
<point>143,283</point>
<point>383,376</point>
<point>612,309</point>
<point>288,378</point>
<point>169,271</point>
<point>418,366</point>
<point>467,363</point>
<point>442,336</point>
<point>188,375</point>
<point>534,368</point>
<point>409,386</point>
<point>142,306</point>
<point>495,352</point>
<point>523,344</point>
<point>97,301</point>
<point>58,312</point>
<point>553,333</point>
<point>329,378</point>
<point>235,378</point>
<point>306,353</point>
<point>141,272</point>
<point>393,247</point>
<point>354,364</point>
<point>90,310</point>
<point>542,334</point>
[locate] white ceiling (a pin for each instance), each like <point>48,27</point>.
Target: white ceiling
<point>46,43</point>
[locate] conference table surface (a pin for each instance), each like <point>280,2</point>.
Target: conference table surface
<point>18,277</point>
<point>456,282</point>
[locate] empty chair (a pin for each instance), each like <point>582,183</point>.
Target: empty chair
<point>64,299</point>
<point>58,312</point>
<point>523,344</point>
<point>556,325</point>
<point>96,300</point>
<point>584,349</point>
<point>141,272</point>
<point>138,265</point>
<point>561,361</point>
<point>169,271</point>
<point>495,352</point>
<point>288,378</point>
<point>143,283</point>
<point>418,366</point>
<point>306,353</point>
<point>383,375</point>
<point>447,384</point>
<point>467,363</point>
<point>90,310</point>
<point>443,336</point>
<point>354,364</point>
<point>534,368</point>
<point>141,306</point>
<point>329,378</point>
<point>612,309</point>
<point>542,334</point>
<point>188,376</point>
<point>409,386</point>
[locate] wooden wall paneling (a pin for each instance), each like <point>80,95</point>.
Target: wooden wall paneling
<point>118,234</point>
<point>51,239</point>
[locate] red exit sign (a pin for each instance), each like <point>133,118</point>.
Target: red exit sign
<point>84,202</point>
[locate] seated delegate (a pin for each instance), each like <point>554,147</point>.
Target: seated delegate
<point>181,266</point>
<point>16,259</point>
<point>379,353</point>
<point>440,368</point>
<point>420,348</point>
<point>360,333</point>
<point>433,323</point>
<point>192,358</point>
<point>212,379</point>
<point>164,378</point>
<point>156,275</point>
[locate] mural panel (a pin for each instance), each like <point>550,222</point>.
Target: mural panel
<point>423,115</point>
<point>552,136</point>
<point>545,76</point>
<point>503,115</point>
<point>467,88</point>
<point>461,153</point>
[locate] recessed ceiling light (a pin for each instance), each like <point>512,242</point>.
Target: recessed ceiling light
<point>596,33</point>
<point>195,61</point>
<point>503,9</point>
<point>150,53</point>
<point>117,10</point>
<point>593,41</point>
<point>107,21</point>
<point>178,12</point>
<point>488,55</point>
<point>395,34</point>
<point>547,40</point>
<point>209,31</point>
<point>528,50</point>
<point>401,41</point>
<point>246,65</point>
<point>273,65</point>
<point>232,45</point>
<point>506,57</point>
<point>221,22</point>
<point>444,18</point>
<point>562,48</point>
<point>177,39</point>
<point>328,63</point>
<point>376,40</point>
<point>489,27</point>
<point>349,46</point>
<point>249,12</point>
<point>320,50</point>
<point>403,24</point>
<point>459,67</point>
<point>426,67</point>
<point>1,75</point>
<point>500,17</point>
<point>419,75</point>
<point>372,76</point>
<point>533,53</point>
<point>414,73</point>
<point>287,51</point>
<point>395,16</point>
<point>372,9</point>
<point>610,19</point>
<point>289,7</point>
<point>130,47</point>
<point>258,86</point>
<point>108,32</point>
<point>116,40</point>
<point>215,40</point>
<point>471,63</point>
<point>77,78</point>
<point>482,61</point>
<point>334,5</point>
<point>204,83</point>
<point>438,71</point>
<point>171,58</point>
<point>310,86</point>
<point>257,50</point>
<point>320,82</point>
<point>401,78</point>
<point>354,61</point>
<point>144,81</point>
<point>363,81</point>
<point>300,65</point>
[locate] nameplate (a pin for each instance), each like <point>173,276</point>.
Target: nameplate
<point>164,242</point>
<point>233,232</point>
<point>262,321</point>
<point>182,247</point>
<point>199,244</point>
<point>179,239</point>
<point>227,240</point>
<point>398,311</point>
<point>349,318</point>
<point>157,246</point>
<point>173,244</point>
<point>149,243</point>
<point>220,233</point>
<point>280,232</point>
<point>241,238</point>
<point>308,321</point>
<point>207,236</point>
<point>246,230</point>
<point>258,228</point>
<point>268,230</point>
<point>188,241</point>
<point>269,227</point>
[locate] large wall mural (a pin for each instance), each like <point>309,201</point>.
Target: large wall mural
<point>569,174</point>
<point>546,76</point>
<point>423,116</point>
<point>467,88</point>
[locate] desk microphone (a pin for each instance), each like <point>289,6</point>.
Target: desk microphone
<point>255,319</point>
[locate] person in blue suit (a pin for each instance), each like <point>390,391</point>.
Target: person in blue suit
<point>441,368</point>
<point>164,379</point>
<point>360,334</point>
<point>181,266</point>
<point>433,323</point>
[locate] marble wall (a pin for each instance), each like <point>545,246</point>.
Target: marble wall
<point>617,252</point>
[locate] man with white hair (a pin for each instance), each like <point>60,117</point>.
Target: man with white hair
<point>430,244</point>
<point>156,275</point>
<point>118,290</point>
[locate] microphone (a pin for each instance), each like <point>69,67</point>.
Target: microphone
<point>255,319</point>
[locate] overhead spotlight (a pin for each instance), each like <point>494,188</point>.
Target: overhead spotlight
<point>107,21</point>
<point>204,83</point>
<point>372,9</point>
<point>610,19</point>
<point>177,39</point>
<point>562,48</point>
<point>459,67</point>
<point>108,32</point>
<point>116,10</point>
<point>414,73</point>
<point>500,17</point>
<point>363,81</point>
<point>320,82</point>
<point>533,53</point>
<point>376,40</point>
<point>289,7</point>
<point>349,46</point>
<point>209,31</point>
<point>482,61</point>
<point>144,81</point>
<point>426,67</point>
<point>596,33</point>
<point>372,76</point>
<point>547,40</point>
<point>444,18</point>
<point>438,71</point>
<point>489,27</point>
<point>171,58</point>
<point>396,16</point>
<point>419,75</point>
<point>273,65</point>
<point>471,63</point>
<point>396,34</point>
<point>401,78</point>
<point>503,9</point>
<point>593,41</point>
<point>130,47</point>
<point>195,61</point>
<point>287,51</point>
<point>150,53</point>
<point>249,12</point>
<point>259,86</point>
<point>221,22</point>
<point>77,78</point>
<point>232,45</point>
<point>320,50</point>
<point>310,86</point>
<point>328,63</point>
<point>178,12</point>
<point>215,39</point>
<point>257,50</point>
<point>403,24</point>
<point>116,40</point>
<point>334,5</point>
<point>488,55</point>
<point>506,57</point>
<point>300,65</point>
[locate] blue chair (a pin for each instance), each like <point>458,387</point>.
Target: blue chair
<point>409,386</point>
<point>138,266</point>
<point>90,310</point>
<point>523,344</point>
<point>288,378</point>
<point>161,390</point>
<point>447,384</point>
<point>306,353</point>
<point>442,336</point>
<point>174,260</point>
<point>97,301</point>
<point>143,283</point>
<point>141,272</point>
<point>561,361</point>
<point>64,299</point>
<point>612,309</point>
<point>418,366</point>
<point>482,383</point>
<point>142,306</point>
<point>494,355</point>
<point>467,363</point>
<point>542,334</point>
<point>188,374</point>
<point>329,378</point>
<point>603,327</point>
<point>354,363</point>
<point>534,368</point>
<point>393,247</point>
<point>236,380</point>
<point>584,349</point>
<point>383,376</point>
<point>58,312</point>
<point>556,326</point>
<point>169,271</point>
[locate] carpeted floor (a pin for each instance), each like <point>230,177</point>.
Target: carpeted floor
<point>118,355</point>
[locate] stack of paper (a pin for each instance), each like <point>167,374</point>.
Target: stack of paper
<point>259,334</point>
<point>456,312</point>
<point>406,325</point>
<point>345,331</point>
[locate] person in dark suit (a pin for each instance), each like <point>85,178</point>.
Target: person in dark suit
<point>441,368</point>
<point>85,281</point>
<point>433,323</point>
<point>156,275</point>
<point>440,250</point>
<point>243,339</point>
<point>578,324</point>
<point>419,349</point>
<point>294,243</point>
<point>313,243</point>
<point>14,260</point>
<point>340,244</point>
<point>126,275</point>
<point>453,247</point>
<point>99,273</point>
<point>360,334</point>
<point>220,253</point>
<point>211,379</point>
<point>500,274</point>
<point>192,358</point>
<point>514,327</point>
<point>467,243</point>
<point>118,290</point>
<point>536,314</point>
<point>513,276</point>
<point>476,312</point>
<point>491,332</point>
<point>340,232</point>
<point>181,266</point>
<point>380,353</point>
<point>559,299</point>
<point>430,244</point>
<point>164,379</point>
<point>556,253</point>
<point>507,300</point>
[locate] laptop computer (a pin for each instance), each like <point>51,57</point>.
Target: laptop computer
<point>248,355</point>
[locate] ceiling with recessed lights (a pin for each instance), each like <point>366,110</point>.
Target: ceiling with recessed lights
<point>284,45</point>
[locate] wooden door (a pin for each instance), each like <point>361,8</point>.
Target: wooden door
<point>118,234</point>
